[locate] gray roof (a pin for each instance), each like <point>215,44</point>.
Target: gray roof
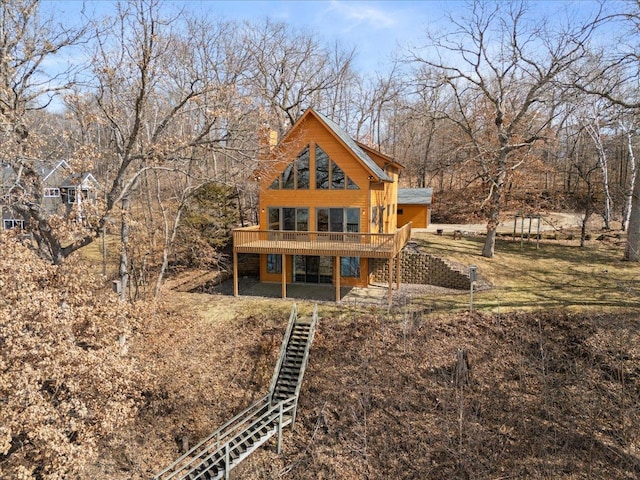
<point>78,179</point>
<point>350,142</point>
<point>415,196</point>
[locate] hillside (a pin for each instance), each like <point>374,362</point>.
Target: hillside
<point>547,394</point>
<point>550,395</point>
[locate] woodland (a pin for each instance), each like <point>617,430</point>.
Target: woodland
<point>499,111</point>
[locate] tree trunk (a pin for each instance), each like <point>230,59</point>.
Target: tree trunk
<point>631,185</point>
<point>495,201</point>
<point>583,229</point>
<point>606,215</point>
<point>124,258</point>
<point>632,249</point>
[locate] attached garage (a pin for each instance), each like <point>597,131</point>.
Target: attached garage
<point>414,205</point>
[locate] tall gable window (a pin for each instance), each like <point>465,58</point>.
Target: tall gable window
<point>295,175</point>
<point>329,175</point>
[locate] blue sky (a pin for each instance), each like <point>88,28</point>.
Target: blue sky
<point>375,28</point>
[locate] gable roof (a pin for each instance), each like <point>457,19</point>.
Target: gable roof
<point>349,143</point>
<point>46,168</point>
<point>367,149</point>
<point>415,196</point>
<point>80,180</point>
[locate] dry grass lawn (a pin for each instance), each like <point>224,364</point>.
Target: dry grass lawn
<point>555,275</point>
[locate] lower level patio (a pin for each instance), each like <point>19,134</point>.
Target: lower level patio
<point>375,294</point>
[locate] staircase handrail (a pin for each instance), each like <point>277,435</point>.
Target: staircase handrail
<point>292,320</point>
<point>218,434</point>
<point>307,348</point>
<point>273,411</point>
<point>228,437</point>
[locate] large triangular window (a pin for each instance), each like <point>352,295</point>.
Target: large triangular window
<point>329,175</point>
<point>295,175</point>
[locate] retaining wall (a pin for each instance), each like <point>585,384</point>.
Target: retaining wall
<point>422,268</point>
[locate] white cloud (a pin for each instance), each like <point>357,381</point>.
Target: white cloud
<point>363,14</point>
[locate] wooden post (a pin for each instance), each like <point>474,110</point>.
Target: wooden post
<point>398,273</point>
<point>390,280</point>
<point>280,419</point>
<point>235,274</point>
<point>336,274</point>
<point>284,276</point>
<point>461,374</point>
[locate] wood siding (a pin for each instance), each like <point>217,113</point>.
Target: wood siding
<point>311,131</point>
<point>418,215</point>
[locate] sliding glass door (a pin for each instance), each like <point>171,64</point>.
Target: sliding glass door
<point>312,269</point>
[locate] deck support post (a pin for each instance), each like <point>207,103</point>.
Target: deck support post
<point>235,274</point>
<point>398,272</point>
<point>280,419</point>
<point>390,280</point>
<point>284,276</point>
<point>336,274</point>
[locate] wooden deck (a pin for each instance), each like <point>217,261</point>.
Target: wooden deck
<point>333,244</point>
<point>369,245</point>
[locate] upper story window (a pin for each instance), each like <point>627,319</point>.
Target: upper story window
<point>9,223</point>
<point>70,194</point>
<point>295,175</point>
<point>288,218</point>
<point>338,220</point>
<point>329,175</point>
<point>51,192</point>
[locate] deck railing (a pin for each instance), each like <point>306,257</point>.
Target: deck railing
<point>385,245</point>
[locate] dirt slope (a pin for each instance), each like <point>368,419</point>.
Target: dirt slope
<point>546,395</point>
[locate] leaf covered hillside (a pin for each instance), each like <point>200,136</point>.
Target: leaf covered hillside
<point>66,379</point>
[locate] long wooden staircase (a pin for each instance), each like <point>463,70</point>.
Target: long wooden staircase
<point>215,456</point>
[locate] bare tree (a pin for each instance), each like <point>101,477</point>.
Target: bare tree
<point>496,58</point>
<point>611,73</point>
<point>592,124</point>
<point>27,40</point>
<point>166,93</point>
<point>291,70</point>
<point>629,131</point>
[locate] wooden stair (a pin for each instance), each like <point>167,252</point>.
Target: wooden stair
<point>215,456</point>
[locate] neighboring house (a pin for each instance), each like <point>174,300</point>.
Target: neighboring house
<point>414,205</point>
<point>327,208</point>
<point>63,192</point>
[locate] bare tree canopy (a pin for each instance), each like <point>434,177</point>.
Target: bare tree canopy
<point>499,66</point>
<point>27,41</point>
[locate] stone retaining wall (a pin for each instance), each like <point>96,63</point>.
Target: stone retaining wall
<point>422,268</point>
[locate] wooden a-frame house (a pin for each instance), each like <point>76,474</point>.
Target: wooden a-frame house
<point>327,210</point>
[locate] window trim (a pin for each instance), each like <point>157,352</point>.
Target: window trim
<point>345,216</point>
<point>51,192</point>
<point>16,222</point>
